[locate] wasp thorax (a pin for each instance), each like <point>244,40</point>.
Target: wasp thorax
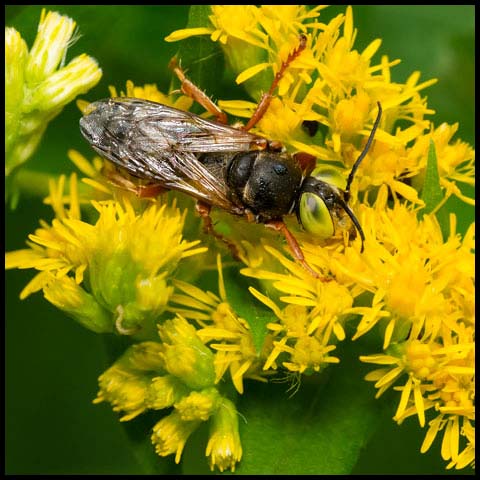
<point>265,183</point>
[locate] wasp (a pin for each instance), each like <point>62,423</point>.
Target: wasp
<point>219,165</point>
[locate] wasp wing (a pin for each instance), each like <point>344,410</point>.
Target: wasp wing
<point>187,131</point>
<point>153,141</point>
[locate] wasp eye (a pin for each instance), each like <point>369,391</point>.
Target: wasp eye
<point>315,216</point>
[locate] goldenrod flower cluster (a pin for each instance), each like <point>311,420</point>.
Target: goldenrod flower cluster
<point>177,372</point>
<point>128,268</point>
<point>38,84</point>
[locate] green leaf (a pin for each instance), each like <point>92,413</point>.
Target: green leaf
<point>432,193</point>
<point>320,430</point>
<point>207,67</point>
<point>199,56</point>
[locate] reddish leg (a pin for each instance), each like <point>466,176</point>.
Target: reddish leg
<point>267,97</point>
<point>150,191</point>
<point>297,253</point>
<point>191,90</point>
<point>120,179</point>
<point>204,211</point>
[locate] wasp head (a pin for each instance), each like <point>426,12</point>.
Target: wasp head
<point>322,206</point>
<point>324,196</point>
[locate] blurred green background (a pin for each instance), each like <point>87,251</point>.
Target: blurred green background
<point>52,364</point>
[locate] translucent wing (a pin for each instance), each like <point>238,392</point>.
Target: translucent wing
<point>153,141</point>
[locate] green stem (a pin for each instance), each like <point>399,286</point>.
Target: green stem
<point>36,184</point>
<point>33,184</point>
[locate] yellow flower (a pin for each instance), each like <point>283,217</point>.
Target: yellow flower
<point>311,323</point>
<point>177,372</point>
<point>237,21</point>
<point>467,456</point>
<point>227,333</point>
<point>127,257</point>
<point>72,299</point>
<point>56,249</point>
<point>185,355</point>
<point>224,448</point>
<point>192,364</point>
<point>39,84</point>
<point>151,92</point>
<point>164,391</point>
<point>249,35</point>
<point>198,405</point>
<point>126,383</point>
<point>171,433</point>
<point>124,390</point>
<point>441,376</point>
<point>406,266</point>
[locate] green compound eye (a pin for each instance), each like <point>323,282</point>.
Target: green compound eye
<point>314,213</point>
<point>315,216</point>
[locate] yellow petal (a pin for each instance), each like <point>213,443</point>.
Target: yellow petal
<point>251,71</point>
<point>370,51</point>
<point>186,33</point>
<point>81,163</point>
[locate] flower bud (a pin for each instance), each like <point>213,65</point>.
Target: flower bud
<point>16,53</point>
<point>124,389</point>
<point>198,405</point>
<point>185,355</point>
<point>35,91</point>
<point>170,435</point>
<point>61,87</point>
<point>145,356</point>
<point>224,447</point>
<point>164,391</point>
<point>50,46</point>
<point>66,295</point>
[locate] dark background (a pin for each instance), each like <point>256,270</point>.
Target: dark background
<point>52,364</point>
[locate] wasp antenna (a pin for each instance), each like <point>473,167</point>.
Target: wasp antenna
<point>365,150</point>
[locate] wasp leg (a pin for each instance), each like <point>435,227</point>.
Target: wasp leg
<point>126,182</point>
<point>142,191</point>
<point>267,97</point>
<point>150,191</point>
<point>280,226</point>
<point>204,211</point>
<point>191,90</point>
